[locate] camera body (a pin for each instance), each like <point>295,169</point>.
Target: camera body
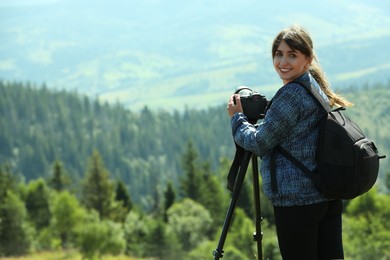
<point>253,103</point>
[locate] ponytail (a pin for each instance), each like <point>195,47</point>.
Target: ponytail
<point>319,75</point>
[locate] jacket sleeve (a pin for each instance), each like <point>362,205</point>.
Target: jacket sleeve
<point>281,117</point>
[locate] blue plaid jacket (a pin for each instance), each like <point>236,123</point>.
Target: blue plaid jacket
<point>291,122</point>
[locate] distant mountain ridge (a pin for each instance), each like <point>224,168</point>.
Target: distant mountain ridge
<point>172,53</point>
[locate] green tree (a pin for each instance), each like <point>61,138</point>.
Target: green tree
<point>190,222</point>
<point>7,182</point>
<point>190,182</point>
<point>169,198</point>
<point>37,203</point>
<point>137,228</point>
<point>122,195</point>
<point>162,243</point>
<point>366,227</point>
<point>212,197</point>
<point>67,216</point>
<point>122,202</point>
<point>240,234</point>
<point>100,237</point>
<point>59,180</point>
<point>246,200</point>
<point>97,188</point>
<point>15,233</point>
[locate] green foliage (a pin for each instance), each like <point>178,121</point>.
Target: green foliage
<point>213,198</point>
<point>366,227</point>
<point>7,182</point>
<point>164,244</point>
<point>191,179</point>
<point>15,233</point>
<point>367,238</point>
<point>270,241</point>
<point>137,228</point>
<point>190,222</point>
<point>202,186</point>
<point>122,202</point>
<point>241,231</point>
<point>370,111</point>
<point>68,217</point>
<point>122,195</point>
<point>45,131</point>
<point>169,198</point>
<point>97,190</point>
<point>99,237</point>
<point>37,203</point>
<point>46,239</point>
<point>39,126</point>
<point>59,179</point>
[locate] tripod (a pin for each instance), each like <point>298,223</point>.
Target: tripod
<point>235,185</point>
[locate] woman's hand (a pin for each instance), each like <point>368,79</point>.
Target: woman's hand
<point>234,108</point>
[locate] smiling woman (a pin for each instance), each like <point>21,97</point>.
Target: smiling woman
<point>308,225</point>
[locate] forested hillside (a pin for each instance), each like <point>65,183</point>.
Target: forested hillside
<point>84,178</point>
<point>39,126</point>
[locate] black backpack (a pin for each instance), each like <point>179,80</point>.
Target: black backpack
<point>348,162</point>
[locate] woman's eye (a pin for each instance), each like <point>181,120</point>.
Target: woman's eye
<point>292,56</point>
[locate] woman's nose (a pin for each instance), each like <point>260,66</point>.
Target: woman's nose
<point>283,61</point>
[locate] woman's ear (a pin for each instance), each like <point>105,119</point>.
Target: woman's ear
<point>308,64</point>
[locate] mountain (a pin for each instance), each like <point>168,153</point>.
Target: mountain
<point>172,54</point>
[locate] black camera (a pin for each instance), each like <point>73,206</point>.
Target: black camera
<point>253,103</point>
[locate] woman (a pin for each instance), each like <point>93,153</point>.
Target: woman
<point>308,225</point>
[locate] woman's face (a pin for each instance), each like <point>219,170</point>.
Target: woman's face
<point>290,64</point>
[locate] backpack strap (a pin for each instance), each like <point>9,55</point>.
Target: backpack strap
<point>308,86</point>
<point>294,160</point>
<point>291,158</point>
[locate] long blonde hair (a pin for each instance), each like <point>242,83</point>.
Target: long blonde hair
<point>297,38</point>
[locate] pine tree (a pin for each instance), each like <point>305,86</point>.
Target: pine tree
<point>122,195</point>
<point>212,197</point>
<point>97,188</point>
<point>169,199</point>
<point>169,195</point>
<point>7,182</point>
<point>123,203</point>
<point>59,179</point>
<point>190,182</point>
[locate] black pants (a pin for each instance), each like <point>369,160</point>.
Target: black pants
<point>310,232</point>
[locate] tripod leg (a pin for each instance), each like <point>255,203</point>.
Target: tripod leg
<point>218,253</point>
<point>258,235</point>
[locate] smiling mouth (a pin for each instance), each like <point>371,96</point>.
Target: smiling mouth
<point>284,70</point>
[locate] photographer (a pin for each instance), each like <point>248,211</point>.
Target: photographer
<point>308,225</point>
